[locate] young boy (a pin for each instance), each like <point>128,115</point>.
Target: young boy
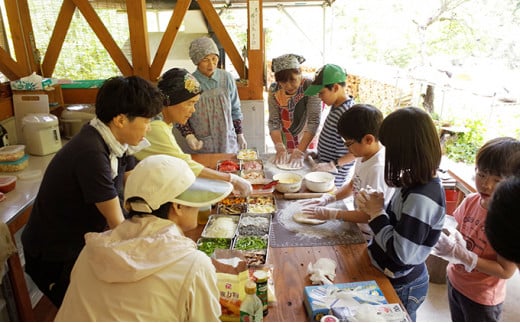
<point>476,274</point>
<point>359,128</point>
<point>333,155</point>
<point>181,92</point>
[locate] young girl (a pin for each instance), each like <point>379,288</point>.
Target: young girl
<point>476,274</point>
<point>405,232</point>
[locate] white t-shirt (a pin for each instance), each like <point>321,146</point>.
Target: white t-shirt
<point>371,172</point>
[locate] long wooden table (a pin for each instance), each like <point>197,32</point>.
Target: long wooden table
<point>290,267</point>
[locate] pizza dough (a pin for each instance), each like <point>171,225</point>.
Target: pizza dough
<point>304,219</point>
<point>288,167</point>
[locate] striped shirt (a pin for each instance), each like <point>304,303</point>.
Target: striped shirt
<point>330,145</point>
<point>404,238</point>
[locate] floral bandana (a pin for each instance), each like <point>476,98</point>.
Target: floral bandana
<point>286,62</point>
<point>177,85</point>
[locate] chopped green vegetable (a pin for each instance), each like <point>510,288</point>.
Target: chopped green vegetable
<point>250,243</point>
<point>209,245</point>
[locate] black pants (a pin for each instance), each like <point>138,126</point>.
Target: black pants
<point>51,277</point>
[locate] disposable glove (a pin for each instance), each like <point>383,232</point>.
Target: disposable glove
<point>242,143</point>
<point>321,201</point>
<point>296,159</point>
<point>281,154</point>
<point>325,167</point>
<point>193,142</point>
<point>371,202</point>
<point>322,213</point>
<point>323,271</point>
<point>240,185</point>
<point>453,249</point>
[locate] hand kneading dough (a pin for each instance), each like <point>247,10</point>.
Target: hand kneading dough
<point>303,218</point>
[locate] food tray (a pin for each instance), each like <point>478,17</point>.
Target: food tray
<point>228,166</point>
<point>14,166</point>
<point>261,204</point>
<point>254,248</point>
<point>234,209</point>
<point>253,176</point>
<point>12,153</point>
<point>247,154</point>
<point>232,199</point>
<point>254,224</point>
<point>208,245</point>
<point>7,183</point>
<point>258,189</point>
<point>253,164</point>
<point>221,226</point>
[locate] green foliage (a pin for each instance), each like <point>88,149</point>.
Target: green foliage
<point>464,146</point>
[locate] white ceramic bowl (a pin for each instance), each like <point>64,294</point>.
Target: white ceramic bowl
<point>319,182</point>
<point>288,182</point>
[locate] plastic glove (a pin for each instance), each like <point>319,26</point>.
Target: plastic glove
<point>281,154</point>
<point>242,143</point>
<point>296,159</point>
<point>193,142</point>
<point>321,201</point>
<point>240,185</point>
<point>371,202</point>
<point>452,249</point>
<point>321,213</point>
<point>323,271</point>
<point>325,167</point>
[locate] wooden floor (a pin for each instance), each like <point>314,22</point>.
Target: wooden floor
<point>44,311</point>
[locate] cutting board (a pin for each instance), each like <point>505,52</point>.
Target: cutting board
<point>24,104</point>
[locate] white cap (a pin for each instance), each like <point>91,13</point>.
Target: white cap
<point>159,179</point>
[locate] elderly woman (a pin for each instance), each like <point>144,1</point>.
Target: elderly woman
<point>293,117</point>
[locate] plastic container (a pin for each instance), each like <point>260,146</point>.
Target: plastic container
<point>12,153</point>
<point>7,183</point>
<point>319,182</point>
<point>15,166</point>
<point>251,309</point>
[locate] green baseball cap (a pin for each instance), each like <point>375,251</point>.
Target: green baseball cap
<point>328,74</point>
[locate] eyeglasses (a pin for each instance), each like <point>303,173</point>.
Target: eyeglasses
<point>348,143</point>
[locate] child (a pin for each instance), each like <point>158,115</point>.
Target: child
<point>145,269</point>
<point>216,126</point>
<point>293,117</point>
<point>333,155</point>
<point>476,274</point>
<point>406,230</point>
<point>181,92</point>
<point>359,127</point>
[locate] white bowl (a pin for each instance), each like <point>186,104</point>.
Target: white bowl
<point>288,182</point>
<point>319,182</point>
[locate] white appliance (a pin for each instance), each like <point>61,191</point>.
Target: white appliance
<point>41,133</point>
<point>74,117</point>
<point>24,104</point>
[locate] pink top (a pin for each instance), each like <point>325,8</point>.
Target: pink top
<point>479,287</point>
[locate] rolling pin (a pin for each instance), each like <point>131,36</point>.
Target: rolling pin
<point>296,196</point>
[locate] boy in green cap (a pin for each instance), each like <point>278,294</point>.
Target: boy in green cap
<point>333,155</point>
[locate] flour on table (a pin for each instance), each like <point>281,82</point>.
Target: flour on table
<point>325,230</point>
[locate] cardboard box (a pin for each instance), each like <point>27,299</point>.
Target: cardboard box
<point>320,299</point>
<point>373,313</point>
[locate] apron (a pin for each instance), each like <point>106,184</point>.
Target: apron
<point>290,141</point>
<point>212,122</point>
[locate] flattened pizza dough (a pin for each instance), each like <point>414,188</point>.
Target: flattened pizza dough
<point>304,219</point>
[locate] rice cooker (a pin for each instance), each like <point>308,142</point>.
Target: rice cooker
<point>41,133</point>
<point>74,117</point>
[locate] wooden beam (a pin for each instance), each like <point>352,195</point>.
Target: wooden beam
<point>61,27</point>
<point>22,35</point>
<point>13,70</point>
<point>138,28</point>
<point>255,52</point>
<point>179,12</point>
<point>104,36</point>
<point>220,31</point>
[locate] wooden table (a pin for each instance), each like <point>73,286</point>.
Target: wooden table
<point>290,267</point>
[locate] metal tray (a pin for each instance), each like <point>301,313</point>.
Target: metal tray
<point>220,164</point>
<point>208,245</point>
<point>254,224</point>
<point>261,204</point>
<point>215,229</point>
<point>252,164</point>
